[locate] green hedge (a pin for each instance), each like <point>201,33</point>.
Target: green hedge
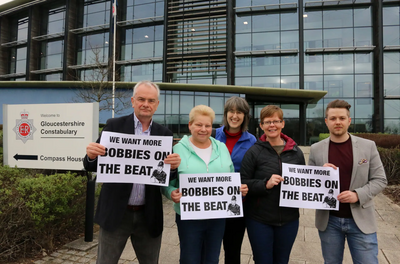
<point>35,210</point>
<point>381,140</point>
<point>391,162</point>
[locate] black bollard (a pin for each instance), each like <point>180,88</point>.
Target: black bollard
<point>90,190</point>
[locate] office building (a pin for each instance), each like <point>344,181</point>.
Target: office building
<point>350,49</point>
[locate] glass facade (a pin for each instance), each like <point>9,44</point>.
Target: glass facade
<point>391,39</point>
<point>95,13</point>
<point>93,49</point>
<point>143,42</point>
<point>18,60</point>
<point>343,49</point>
<point>139,9</point>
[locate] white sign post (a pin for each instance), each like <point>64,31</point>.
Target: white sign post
<point>210,195</point>
<point>310,187</point>
<point>49,136</point>
<point>134,159</point>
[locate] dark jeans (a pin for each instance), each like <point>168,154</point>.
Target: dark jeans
<point>196,234</point>
<point>111,244</point>
<point>233,238</point>
<point>271,244</point>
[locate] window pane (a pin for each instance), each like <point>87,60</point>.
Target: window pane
<point>338,18</point>
<point>54,61</point>
<point>312,20</point>
<point>392,109</point>
<point>363,63</point>
<point>259,22</point>
<point>289,40</point>
<point>55,27</point>
<point>243,24</point>
<point>144,11</point>
<point>362,17</point>
<point>362,37</point>
<point>338,63</point>
<point>339,86</point>
<point>160,9</point>
<point>313,83</point>
<point>289,21</point>
<point>313,64</point>
<point>266,41</point>
<point>186,104</point>
<point>392,126</point>
<point>391,35</point>
<point>289,65</point>
<point>338,37</point>
<point>363,108</point>
<point>273,82</point>
<point>392,84</point>
<point>142,50</point>
<point>243,66</point>
<point>266,66</point>
<point>243,42</point>
<point>391,62</point>
<point>217,104</point>
<point>364,85</point>
<point>290,82</point>
<point>312,39</point>
<point>391,15</point>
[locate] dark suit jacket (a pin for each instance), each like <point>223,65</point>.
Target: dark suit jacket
<point>114,197</point>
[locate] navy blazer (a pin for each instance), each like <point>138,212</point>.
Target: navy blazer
<point>114,197</point>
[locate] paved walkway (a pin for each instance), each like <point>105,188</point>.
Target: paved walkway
<point>306,249</point>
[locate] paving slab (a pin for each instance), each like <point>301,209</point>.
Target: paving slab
<point>306,249</point>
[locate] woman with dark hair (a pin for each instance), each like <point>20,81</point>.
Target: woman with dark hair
<point>235,136</point>
<point>272,229</point>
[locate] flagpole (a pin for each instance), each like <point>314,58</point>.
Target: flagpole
<point>114,37</point>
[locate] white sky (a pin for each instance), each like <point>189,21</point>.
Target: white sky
<point>4,1</point>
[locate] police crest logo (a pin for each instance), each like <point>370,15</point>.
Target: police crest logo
<point>24,128</point>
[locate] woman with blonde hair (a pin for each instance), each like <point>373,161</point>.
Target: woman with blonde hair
<point>200,240</point>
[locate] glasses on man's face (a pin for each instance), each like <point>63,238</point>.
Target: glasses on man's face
<point>275,122</point>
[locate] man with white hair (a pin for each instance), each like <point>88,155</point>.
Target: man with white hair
<point>131,210</point>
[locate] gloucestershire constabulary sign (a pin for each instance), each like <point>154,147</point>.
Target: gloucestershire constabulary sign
<point>49,136</point>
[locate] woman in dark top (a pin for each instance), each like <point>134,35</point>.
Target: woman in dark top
<point>272,229</point>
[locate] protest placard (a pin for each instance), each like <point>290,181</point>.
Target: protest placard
<point>134,159</point>
<point>310,187</point>
<point>210,195</point>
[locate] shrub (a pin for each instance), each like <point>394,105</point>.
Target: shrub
<point>391,162</point>
<point>36,210</point>
<point>322,136</point>
<point>50,198</point>
<point>381,140</point>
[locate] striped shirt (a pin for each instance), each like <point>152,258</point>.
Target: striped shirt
<point>138,194</point>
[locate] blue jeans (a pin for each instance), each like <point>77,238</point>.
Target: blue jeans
<point>200,240</point>
<point>363,247</point>
<point>271,244</point>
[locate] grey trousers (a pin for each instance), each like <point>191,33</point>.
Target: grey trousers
<point>112,244</point>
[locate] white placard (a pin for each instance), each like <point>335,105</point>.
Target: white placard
<point>310,187</point>
<point>134,159</point>
<point>210,195</point>
<point>49,136</point>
